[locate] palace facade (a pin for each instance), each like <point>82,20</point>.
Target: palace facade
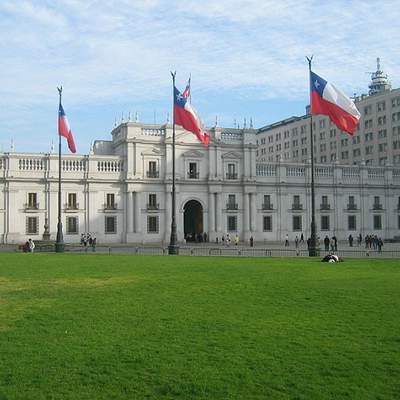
<point>121,191</point>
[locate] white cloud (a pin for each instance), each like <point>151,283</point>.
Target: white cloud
<point>121,51</point>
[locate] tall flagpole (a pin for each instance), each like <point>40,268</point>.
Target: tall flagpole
<point>173,247</point>
<point>59,247</point>
<point>312,248</point>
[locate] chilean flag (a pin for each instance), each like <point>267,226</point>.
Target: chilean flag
<point>326,99</point>
<point>65,130</point>
<point>186,117</point>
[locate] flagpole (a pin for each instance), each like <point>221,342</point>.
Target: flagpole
<point>312,248</point>
<point>173,247</point>
<point>59,246</point>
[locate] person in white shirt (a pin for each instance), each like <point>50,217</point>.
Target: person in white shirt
<point>31,245</point>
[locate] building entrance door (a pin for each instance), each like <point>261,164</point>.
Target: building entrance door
<point>193,220</point>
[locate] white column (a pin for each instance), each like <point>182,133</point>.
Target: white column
<point>138,224</point>
<point>253,212</point>
<point>218,214</point>
<point>129,211</point>
<point>246,163</point>
<point>211,213</point>
<point>253,163</point>
<point>246,210</point>
<point>211,163</point>
<point>218,162</point>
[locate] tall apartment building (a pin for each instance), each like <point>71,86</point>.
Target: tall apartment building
<point>376,141</point>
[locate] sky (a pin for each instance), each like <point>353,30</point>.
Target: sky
<point>114,57</point>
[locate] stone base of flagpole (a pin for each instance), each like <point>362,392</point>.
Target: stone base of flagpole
<point>173,249</point>
<point>59,247</point>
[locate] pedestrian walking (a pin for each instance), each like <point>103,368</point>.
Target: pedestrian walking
<point>326,243</point>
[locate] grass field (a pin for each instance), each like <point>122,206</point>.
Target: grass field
<point>121,327</point>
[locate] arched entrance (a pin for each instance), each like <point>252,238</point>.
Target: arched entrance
<point>192,220</point>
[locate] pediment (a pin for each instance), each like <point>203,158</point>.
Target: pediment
<point>152,152</point>
<point>193,154</point>
<point>232,155</point>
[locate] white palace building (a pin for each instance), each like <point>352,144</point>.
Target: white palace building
<point>121,191</point>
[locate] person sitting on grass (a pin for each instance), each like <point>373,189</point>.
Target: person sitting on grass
<point>332,258</point>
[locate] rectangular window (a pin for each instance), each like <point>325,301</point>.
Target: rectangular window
<point>192,173</point>
<point>110,201</point>
<point>382,147</point>
<point>296,203</point>
<point>231,174</point>
<point>377,203</point>
<point>32,201</point>
<point>267,202</point>
<point>152,224</point>
<point>368,110</point>
<point>381,106</point>
<point>325,222</point>
<point>231,205</point>
<point>396,101</point>
<point>382,133</point>
<point>152,205</point>
<point>356,152</point>
<point>232,223</point>
<point>382,120</point>
<point>152,172</point>
<point>72,225</point>
<point>352,223</point>
<point>297,223</point>
<point>32,225</point>
<point>267,223</point>
<point>110,224</point>
<point>72,201</point>
<point>377,222</point>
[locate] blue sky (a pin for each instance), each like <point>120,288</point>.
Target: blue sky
<point>247,59</point>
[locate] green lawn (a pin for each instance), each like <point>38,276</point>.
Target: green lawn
<point>142,327</point>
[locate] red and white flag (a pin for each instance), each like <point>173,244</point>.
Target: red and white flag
<point>65,130</point>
